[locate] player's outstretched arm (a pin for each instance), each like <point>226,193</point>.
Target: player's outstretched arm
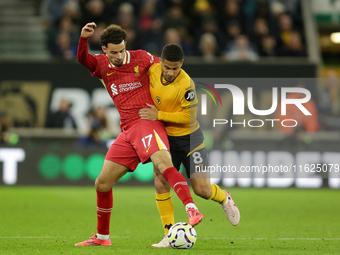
<point>88,30</point>
<point>82,54</point>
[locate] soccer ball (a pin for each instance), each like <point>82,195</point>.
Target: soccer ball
<point>182,236</point>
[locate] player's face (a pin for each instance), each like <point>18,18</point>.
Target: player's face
<point>170,70</point>
<point>115,52</point>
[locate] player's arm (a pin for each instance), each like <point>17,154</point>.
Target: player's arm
<point>188,112</point>
<point>186,115</point>
<point>88,60</point>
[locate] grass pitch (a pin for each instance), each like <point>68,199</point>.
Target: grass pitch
<point>50,220</point>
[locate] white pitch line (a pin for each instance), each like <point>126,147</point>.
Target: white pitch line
<point>205,238</point>
<point>48,237</point>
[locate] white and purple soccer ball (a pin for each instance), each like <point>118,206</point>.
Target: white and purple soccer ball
<point>182,236</point>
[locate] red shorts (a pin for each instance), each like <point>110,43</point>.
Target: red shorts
<point>137,142</point>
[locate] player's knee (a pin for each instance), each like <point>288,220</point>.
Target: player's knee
<point>161,160</point>
<point>162,187</point>
<point>102,185</point>
<point>203,192</point>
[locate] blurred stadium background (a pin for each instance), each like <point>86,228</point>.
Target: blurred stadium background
<point>56,121</point>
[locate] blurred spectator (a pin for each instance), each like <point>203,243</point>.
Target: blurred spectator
<point>63,34</point>
<point>187,6</point>
<point>294,47</point>
<point>152,40</point>
<point>208,47</point>
<point>126,17</point>
<point>201,10</point>
<point>260,30</point>
<point>209,25</point>
<point>147,14</point>
<point>52,10</point>
<point>65,48</point>
<point>61,118</point>
<point>98,133</point>
<point>277,8</point>
<point>173,36</point>
<point>128,21</point>
<point>233,29</point>
<point>72,10</point>
<point>285,6</point>
<point>263,11</point>
<point>228,10</point>
<point>93,11</point>
<point>329,102</point>
<point>175,18</point>
<point>241,50</point>
<point>285,23</point>
<point>148,21</point>
<point>268,46</point>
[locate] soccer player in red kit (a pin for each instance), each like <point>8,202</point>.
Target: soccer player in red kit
<point>125,76</point>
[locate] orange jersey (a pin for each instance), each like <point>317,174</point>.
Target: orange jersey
<point>176,102</point>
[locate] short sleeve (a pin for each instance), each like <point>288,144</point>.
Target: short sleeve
<point>149,59</point>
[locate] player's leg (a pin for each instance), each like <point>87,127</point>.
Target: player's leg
<point>119,159</point>
<point>164,200</point>
<point>162,162</point>
<point>200,180</point>
<point>109,175</point>
<point>165,207</point>
<point>197,161</point>
<point>202,187</point>
<point>151,142</point>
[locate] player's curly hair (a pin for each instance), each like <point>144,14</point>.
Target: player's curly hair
<point>112,34</point>
<point>172,52</point>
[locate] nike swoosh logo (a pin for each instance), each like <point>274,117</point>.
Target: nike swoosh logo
<point>108,74</point>
<point>148,148</point>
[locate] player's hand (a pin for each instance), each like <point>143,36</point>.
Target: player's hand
<point>88,30</point>
<point>150,113</point>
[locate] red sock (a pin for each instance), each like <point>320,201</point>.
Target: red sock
<point>104,208</point>
<point>179,184</point>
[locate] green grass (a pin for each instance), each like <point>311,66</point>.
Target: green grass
<point>50,220</point>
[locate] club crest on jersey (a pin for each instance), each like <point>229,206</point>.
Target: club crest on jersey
<point>158,100</point>
<point>189,95</point>
<point>114,89</point>
<point>136,68</point>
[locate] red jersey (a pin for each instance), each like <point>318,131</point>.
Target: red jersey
<point>128,84</point>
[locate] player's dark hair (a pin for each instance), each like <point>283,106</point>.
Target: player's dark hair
<point>172,52</point>
<point>112,34</point>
